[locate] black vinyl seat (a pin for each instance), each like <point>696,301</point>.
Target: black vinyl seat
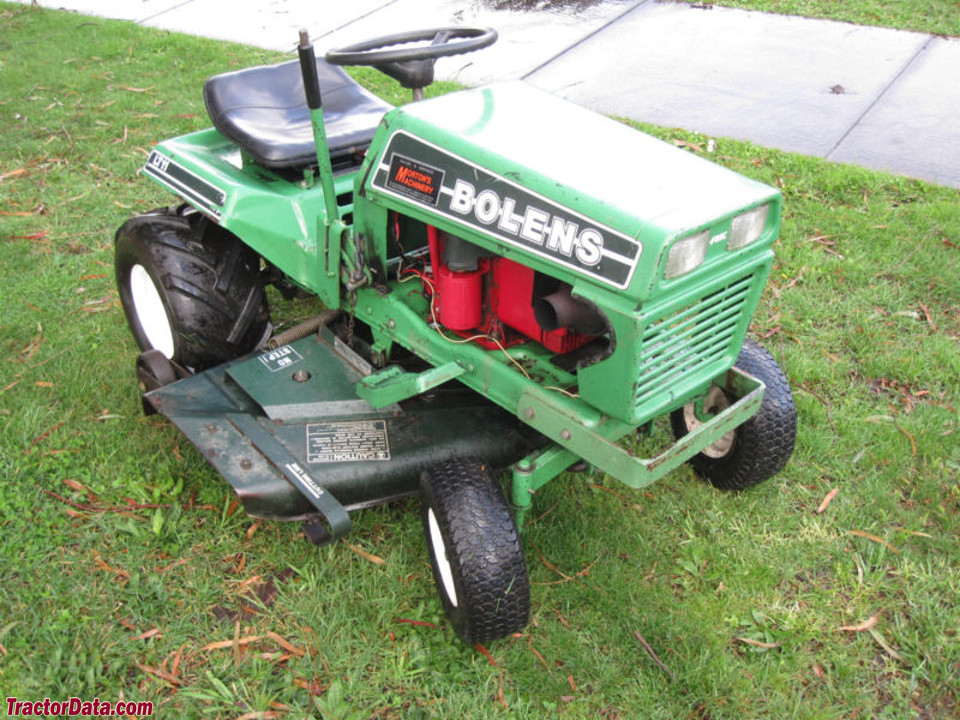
<point>264,111</point>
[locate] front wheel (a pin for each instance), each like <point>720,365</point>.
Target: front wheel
<point>190,289</point>
<point>475,550</point>
<point>759,448</point>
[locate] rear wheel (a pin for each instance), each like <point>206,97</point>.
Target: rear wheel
<point>475,550</point>
<point>189,288</point>
<point>759,448</point>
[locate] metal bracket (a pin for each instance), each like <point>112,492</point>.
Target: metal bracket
<point>330,509</point>
<point>393,384</point>
<point>598,445</point>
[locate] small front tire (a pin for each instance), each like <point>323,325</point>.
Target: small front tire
<point>759,448</point>
<point>478,563</point>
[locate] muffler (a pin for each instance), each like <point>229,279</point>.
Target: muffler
<point>561,310</point>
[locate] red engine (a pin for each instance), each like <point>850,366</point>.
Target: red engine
<point>498,302</point>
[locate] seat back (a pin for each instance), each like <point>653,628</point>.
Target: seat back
<point>264,111</point>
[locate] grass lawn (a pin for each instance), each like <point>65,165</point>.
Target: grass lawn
<point>128,571</point>
<point>937,17</point>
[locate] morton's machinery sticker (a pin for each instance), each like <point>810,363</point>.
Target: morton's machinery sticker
<point>422,173</point>
<point>421,183</point>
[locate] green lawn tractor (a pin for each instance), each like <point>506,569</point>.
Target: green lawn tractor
<point>512,285</point>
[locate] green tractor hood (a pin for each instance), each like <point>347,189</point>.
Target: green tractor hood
<point>525,173</point>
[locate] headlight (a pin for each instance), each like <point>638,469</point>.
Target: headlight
<point>747,227</point>
<point>686,254</point>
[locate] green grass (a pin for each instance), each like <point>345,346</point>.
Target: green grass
<point>128,569</point>
<point>937,17</point>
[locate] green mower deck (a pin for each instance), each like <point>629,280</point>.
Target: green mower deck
<point>289,433</point>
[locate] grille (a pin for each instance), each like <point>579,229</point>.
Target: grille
<point>681,345</point>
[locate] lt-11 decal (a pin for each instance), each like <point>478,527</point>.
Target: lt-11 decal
<point>189,186</point>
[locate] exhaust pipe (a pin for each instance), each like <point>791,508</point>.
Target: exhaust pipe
<point>562,310</point>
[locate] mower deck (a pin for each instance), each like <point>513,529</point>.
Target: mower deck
<point>288,431</point>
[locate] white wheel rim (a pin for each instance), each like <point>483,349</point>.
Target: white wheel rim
<point>440,557</point>
<point>151,314</point>
<point>715,402</point>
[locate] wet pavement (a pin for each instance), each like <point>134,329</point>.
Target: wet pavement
<point>874,97</point>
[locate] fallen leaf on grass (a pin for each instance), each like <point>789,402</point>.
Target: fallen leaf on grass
<point>827,500</point>
<point>32,346</point>
<point>758,643</point>
<point>153,632</point>
<point>74,485</point>
<point>221,644</point>
<point>540,657</point>
<point>316,687</point>
<point>653,654</point>
<point>417,623</point>
<point>126,623</point>
<point>13,174</point>
<point>253,528</point>
<point>102,564</point>
<point>913,442</point>
<point>375,559</point>
<point>874,538</point>
<point>175,668</point>
<point>159,673</point>
<point>929,317</point>
<point>883,643</point>
<point>19,213</point>
<point>865,625</point>
<point>486,653</point>
<point>32,236</point>
<point>244,584</point>
<point>171,566</point>
<point>551,566</point>
<point>285,644</point>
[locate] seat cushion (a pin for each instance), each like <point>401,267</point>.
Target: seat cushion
<point>264,111</point>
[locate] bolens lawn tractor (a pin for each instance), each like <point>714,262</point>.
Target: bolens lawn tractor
<point>511,283</point>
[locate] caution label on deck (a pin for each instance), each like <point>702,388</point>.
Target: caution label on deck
<point>348,441</point>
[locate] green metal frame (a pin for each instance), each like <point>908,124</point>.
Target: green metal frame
<point>331,236</point>
<point>602,450</point>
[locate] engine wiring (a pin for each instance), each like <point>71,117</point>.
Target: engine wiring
<point>408,274</point>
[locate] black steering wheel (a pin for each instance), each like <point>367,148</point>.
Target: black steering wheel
<point>441,42</point>
<point>412,64</point>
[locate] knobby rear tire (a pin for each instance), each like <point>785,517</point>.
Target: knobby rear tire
<point>189,288</point>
